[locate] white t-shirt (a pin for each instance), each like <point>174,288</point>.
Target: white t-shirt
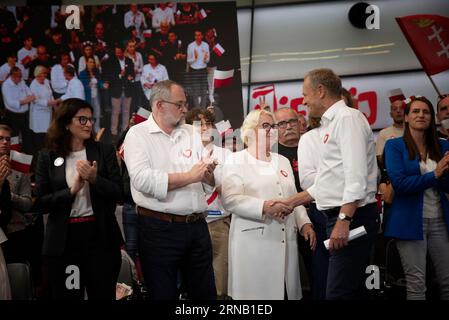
<point>82,206</point>
<point>384,135</point>
<point>431,203</point>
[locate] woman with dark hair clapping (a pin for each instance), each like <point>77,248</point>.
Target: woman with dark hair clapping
<point>78,184</point>
<point>417,165</point>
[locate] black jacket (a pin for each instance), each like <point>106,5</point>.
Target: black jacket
<point>117,84</point>
<point>5,205</point>
<point>53,197</point>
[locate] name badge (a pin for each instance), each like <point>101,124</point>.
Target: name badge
<point>59,162</point>
<point>214,213</point>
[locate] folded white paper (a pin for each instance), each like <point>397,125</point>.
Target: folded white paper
<point>353,234</point>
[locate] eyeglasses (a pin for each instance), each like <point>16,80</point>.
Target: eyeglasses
<point>180,105</point>
<point>83,120</point>
<point>268,126</point>
<point>292,122</point>
<point>7,139</point>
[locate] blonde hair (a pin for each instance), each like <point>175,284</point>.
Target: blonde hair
<point>250,123</point>
<point>39,69</point>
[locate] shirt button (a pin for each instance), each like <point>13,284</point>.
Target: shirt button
<point>280,194</point>
<point>283,241</point>
<point>283,229</point>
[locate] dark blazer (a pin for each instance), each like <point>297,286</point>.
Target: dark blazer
<point>53,197</point>
<point>117,84</point>
<point>405,220</point>
<point>5,205</point>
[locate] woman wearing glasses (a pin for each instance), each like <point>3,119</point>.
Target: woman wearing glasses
<point>78,183</point>
<point>417,165</point>
<point>263,253</point>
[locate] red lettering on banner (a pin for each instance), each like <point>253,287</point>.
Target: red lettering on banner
<point>369,97</point>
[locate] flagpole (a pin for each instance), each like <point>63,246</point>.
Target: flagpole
<point>434,85</point>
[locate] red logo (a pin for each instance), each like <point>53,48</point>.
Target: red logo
<point>326,137</point>
<point>187,153</point>
<point>285,174</point>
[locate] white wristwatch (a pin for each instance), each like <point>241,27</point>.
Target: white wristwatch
<point>342,216</point>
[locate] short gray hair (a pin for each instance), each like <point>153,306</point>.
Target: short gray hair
<point>326,78</point>
<point>250,123</point>
<point>161,91</point>
<point>292,111</point>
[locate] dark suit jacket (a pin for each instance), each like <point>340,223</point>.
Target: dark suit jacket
<point>53,197</point>
<point>111,75</point>
<point>5,205</point>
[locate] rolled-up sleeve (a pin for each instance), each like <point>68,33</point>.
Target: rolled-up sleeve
<point>353,139</point>
<point>144,178</point>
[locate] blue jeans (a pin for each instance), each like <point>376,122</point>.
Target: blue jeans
<point>346,276</point>
<point>320,257</point>
<point>130,228</point>
<point>165,248</point>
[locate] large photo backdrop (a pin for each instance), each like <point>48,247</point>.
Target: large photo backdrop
<point>117,52</point>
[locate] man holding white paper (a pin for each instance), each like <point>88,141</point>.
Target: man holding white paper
<point>345,184</point>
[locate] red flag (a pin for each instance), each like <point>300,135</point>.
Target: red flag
<point>121,151</point>
<point>428,35</point>
<point>21,161</point>
<point>15,144</point>
<point>141,115</point>
<point>219,50</point>
<point>203,14</point>
<point>223,78</point>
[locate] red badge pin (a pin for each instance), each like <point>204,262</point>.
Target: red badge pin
<point>326,137</point>
<point>187,153</point>
<point>285,174</point>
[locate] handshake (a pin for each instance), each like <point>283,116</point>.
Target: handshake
<point>278,208</point>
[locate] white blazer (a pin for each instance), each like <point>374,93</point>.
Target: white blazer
<point>263,252</point>
<point>40,111</point>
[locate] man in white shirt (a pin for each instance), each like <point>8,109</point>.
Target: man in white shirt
<point>397,128</point>
<point>162,14</point>
<point>168,177</point>
<point>75,87</point>
<point>345,185</point>
<point>17,97</point>
<point>443,116</point>
<point>26,55</point>
<point>58,81</point>
<point>198,57</point>
<point>5,69</point>
<point>135,18</point>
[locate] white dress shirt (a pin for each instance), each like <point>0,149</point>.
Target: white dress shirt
<point>215,208</point>
<point>5,69</point>
<point>58,81</point>
<point>75,89</point>
<point>151,154</point>
<point>201,50</point>
<point>13,93</point>
<point>22,54</point>
<point>348,167</point>
<point>137,21</point>
<point>40,111</point>
<point>308,158</point>
<point>152,75</point>
<point>160,15</point>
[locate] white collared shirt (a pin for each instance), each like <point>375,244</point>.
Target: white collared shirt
<point>5,69</point>
<point>13,93</point>
<point>347,171</point>
<point>152,75</point>
<point>58,81</point>
<point>75,89</point>
<point>308,158</point>
<point>151,154</point>
<point>201,50</point>
<point>22,54</point>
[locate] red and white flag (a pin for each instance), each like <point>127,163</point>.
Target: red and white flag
<point>396,94</point>
<point>224,128</point>
<point>218,49</point>
<point>141,115</point>
<point>428,35</point>
<point>223,78</point>
<point>265,93</point>
<point>21,161</point>
<point>147,33</point>
<point>15,144</point>
<point>203,14</point>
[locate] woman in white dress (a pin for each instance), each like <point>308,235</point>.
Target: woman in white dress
<point>263,253</point>
<point>41,108</point>
<point>152,73</point>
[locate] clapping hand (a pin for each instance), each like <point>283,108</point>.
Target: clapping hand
<point>87,171</point>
